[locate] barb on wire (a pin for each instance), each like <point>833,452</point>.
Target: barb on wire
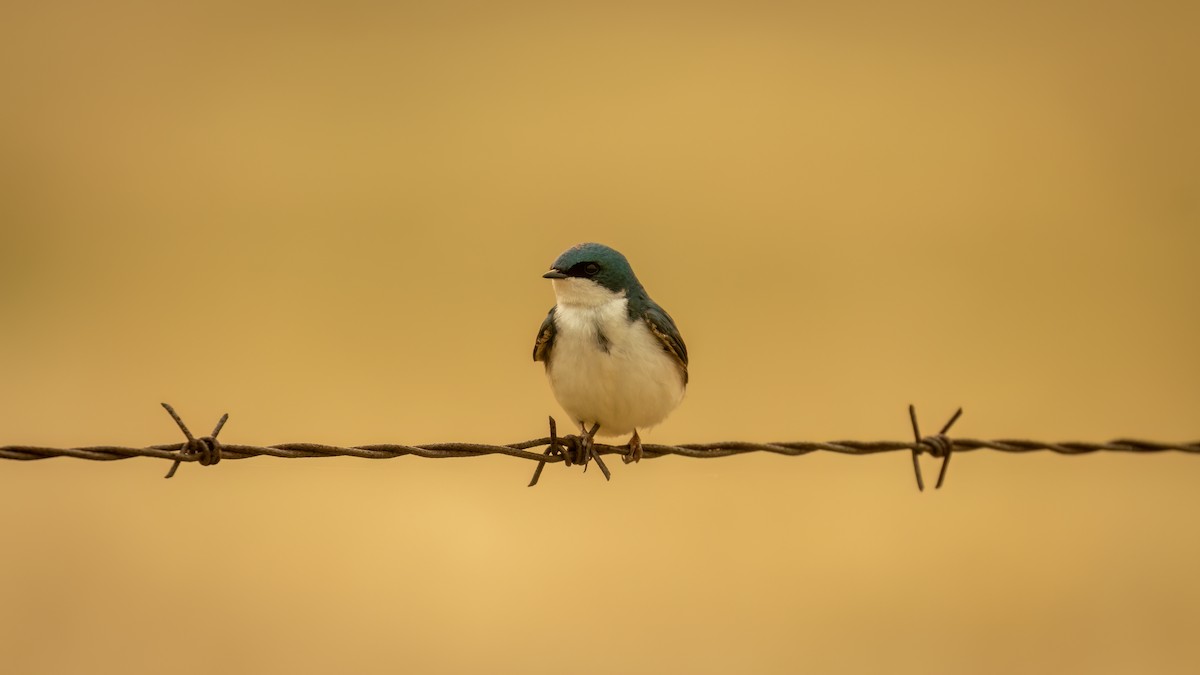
<point>939,445</point>
<point>206,450</point>
<point>571,450</point>
<point>581,449</point>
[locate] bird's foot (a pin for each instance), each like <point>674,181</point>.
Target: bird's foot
<point>582,446</point>
<point>634,455</point>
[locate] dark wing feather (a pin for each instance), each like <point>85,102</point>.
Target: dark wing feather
<point>545,339</point>
<point>664,329</point>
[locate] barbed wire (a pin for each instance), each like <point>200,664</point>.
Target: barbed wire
<point>581,449</point>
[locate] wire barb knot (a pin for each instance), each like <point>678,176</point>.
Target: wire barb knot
<point>939,445</point>
<point>206,450</point>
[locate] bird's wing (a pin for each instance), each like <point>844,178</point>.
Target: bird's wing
<point>545,339</point>
<point>664,329</point>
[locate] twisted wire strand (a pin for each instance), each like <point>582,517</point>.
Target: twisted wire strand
<point>581,449</point>
<point>171,451</point>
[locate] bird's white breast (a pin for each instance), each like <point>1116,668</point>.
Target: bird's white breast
<point>605,368</point>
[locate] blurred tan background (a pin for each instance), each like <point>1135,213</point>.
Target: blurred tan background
<point>330,221</point>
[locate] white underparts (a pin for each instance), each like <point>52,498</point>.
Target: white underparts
<point>605,368</point>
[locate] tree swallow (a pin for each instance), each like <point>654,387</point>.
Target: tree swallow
<point>613,356</point>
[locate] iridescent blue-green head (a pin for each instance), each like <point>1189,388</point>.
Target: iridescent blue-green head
<point>597,264</point>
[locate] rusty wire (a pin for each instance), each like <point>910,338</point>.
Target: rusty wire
<point>580,449</point>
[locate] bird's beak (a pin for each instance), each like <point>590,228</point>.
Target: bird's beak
<point>554,274</point>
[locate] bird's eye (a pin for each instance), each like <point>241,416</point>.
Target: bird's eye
<point>591,269</point>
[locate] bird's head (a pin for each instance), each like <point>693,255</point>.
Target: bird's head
<point>591,274</point>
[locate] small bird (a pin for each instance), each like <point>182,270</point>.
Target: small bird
<point>613,356</point>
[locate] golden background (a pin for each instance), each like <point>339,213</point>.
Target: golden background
<point>331,221</point>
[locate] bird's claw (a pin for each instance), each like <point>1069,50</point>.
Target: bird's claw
<point>585,448</point>
<point>634,454</point>
<point>580,449</point>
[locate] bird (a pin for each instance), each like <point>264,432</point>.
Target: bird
<point>613,356</point>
